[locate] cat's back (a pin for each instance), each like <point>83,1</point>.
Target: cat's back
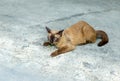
<point>75,32</point>
<point>78,33</point>
<point>76,28</point>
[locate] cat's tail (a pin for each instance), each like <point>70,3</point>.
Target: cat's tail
<point>101,34</point>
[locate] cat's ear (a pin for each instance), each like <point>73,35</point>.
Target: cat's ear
<point>60,32</point>
<point>48,29</point>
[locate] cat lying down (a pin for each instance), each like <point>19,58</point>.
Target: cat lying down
<point>77,34</point>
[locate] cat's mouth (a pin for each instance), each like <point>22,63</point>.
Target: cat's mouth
<point>51,44</point>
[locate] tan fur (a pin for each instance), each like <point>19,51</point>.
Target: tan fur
<point>78,34</point>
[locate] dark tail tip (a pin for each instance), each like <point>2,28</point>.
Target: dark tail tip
<point>103,36</point>
<point>102,43</point>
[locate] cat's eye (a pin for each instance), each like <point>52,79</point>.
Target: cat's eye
<point>55,39</point>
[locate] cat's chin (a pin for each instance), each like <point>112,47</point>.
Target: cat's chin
<point>52,44</point>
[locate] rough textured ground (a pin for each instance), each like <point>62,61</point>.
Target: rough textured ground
<point>22,33</point>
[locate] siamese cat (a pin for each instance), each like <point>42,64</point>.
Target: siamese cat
<point>77,34</point>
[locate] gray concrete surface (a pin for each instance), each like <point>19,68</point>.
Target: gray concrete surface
<point>22,33</point>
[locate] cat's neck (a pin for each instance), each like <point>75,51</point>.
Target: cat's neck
<point>61,42</point>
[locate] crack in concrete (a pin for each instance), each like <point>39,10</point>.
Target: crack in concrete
<point>6,15</point>
<point>77,15</point>
<point>73,16</point>
<point>66,18</point>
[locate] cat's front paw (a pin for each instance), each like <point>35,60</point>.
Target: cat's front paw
<point>46,43</point>
<point>54,54</point>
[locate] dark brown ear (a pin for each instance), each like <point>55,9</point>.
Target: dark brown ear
<point>48,29</point>
<point>60,32</point>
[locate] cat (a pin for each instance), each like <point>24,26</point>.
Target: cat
<point>78,34</point>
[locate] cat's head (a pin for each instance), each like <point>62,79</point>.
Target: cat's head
<point>53,35</point>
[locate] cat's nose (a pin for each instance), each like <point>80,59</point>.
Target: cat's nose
<point>51,41</point>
